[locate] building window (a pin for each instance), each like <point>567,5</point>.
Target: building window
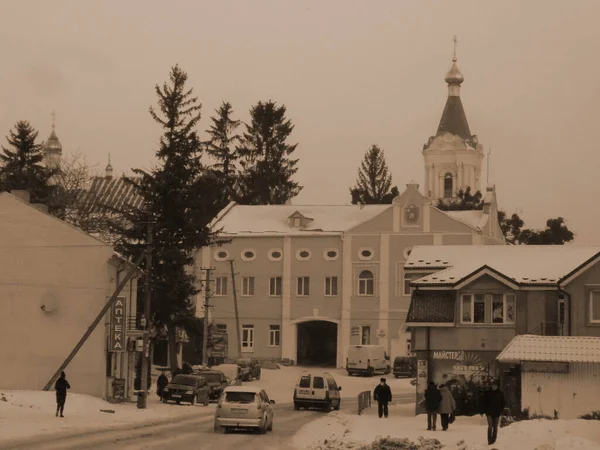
<point>331,286</point>
<point>595,306</point>
<point>366,283</point>
<point>303,286</point>
<point>406,289</point>
<point>561,315</point>
<point>221,255</point>
<point>488,308</point>
<point>247,286</point>
<point>330,254</point>
<point>248,254</point>
<point>406,253</point>
<point>221,286</point>
<point>275,286</point>
<point>275,254</point>
<point>274,335</point>
<point>365,254</point>
<point>221,327</point>
<point>448,185</point>
<point>247,338</point>
<point>365,335</point>
<point>303,254</point>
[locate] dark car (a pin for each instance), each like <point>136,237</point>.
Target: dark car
<point>187,388</point>
<point>216,380</point>
<point>405,366</point>
<point>250,368</point>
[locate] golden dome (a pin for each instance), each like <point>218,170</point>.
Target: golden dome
<point>454,76</point>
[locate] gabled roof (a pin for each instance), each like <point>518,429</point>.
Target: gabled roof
<point>111,192</point>
<point>435,308</point>
<point>454,119</point>
<point>274,219</point>
<point>573,349</point>
<point>526,265</point>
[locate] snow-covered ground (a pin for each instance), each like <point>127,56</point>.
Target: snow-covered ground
<point>340,430</point>
<point>31,413</point>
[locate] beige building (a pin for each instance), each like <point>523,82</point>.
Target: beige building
<point>54,281</point>
<point>312,280</point>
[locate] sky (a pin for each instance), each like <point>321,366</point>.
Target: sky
<point>351,74</point>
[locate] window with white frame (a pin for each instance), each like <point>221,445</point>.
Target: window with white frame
<point>482,308</point>
<point>247,286</point>
<point>275,286</point>
<point>366,283</point>
<point>247,338</point>
<point>595,306</point>
<point>274,335</point>
<point>303,286</point>
<point>331,286</point>
<point>221,286</point>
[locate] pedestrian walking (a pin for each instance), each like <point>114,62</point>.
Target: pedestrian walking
<point>61,387</point>
<point>382,395</point>
<point>447,406</point>
<point>433,398</point>
<point>493,406</point>
<point>161,383</point>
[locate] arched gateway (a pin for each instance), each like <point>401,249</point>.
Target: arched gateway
<point>317,342</point>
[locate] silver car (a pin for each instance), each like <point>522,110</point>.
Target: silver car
<point>244,407</point>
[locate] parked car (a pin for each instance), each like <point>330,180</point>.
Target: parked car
<point>367,360</point>
<point>232,372</point>
<point>244,407</point>
<point>217,381</point>
<point>317,390</point>
<point>250,368</point>
<point>187,388</point>
<point>405,366</point>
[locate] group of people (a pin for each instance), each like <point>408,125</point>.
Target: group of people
<point>440,401</point>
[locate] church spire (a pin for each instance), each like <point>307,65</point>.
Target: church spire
<point>53,147</point>
<point>109,169</point>
<point>454,119</point>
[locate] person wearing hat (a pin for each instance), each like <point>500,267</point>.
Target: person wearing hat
<point>382,395</point>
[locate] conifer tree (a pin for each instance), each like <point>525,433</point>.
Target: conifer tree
<point>178,198</point>
<point>22,166</point>
<point>374,183</point>
<point>267,166</point>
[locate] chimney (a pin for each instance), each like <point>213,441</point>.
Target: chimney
<point>40,207</point>
<point>21,195</point>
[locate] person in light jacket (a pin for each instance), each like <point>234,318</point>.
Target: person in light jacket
<point>447,406</point>
<point>61,387</point>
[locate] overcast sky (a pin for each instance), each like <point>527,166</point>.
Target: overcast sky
<point>351,73</point>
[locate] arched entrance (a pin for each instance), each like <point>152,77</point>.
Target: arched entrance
<point>317,343</point>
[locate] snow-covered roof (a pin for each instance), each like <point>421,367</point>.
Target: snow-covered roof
<point>522,264</point>
<point>574,349</point>
<point>475,218</point>
<point>274,219</point>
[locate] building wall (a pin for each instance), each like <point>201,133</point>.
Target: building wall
<point>571,394</point>
<point>579,291</point>
<point>47,262</point>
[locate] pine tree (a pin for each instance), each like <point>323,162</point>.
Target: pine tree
<point>374,183</point>
<point>22,165</point>
<point>464,201</point>
<point>267,167</point>
<point>179,199</point>
<point>222,148</point>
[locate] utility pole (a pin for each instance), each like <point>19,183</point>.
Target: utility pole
<point>237,316</point>
<point>146,321</point>
<point>206,308</point>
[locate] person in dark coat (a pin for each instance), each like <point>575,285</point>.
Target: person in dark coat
<point>382,395</point>
<point>493,406</point>
<point>61,387</point>
<point>433,398</point>
<point>161,383</point>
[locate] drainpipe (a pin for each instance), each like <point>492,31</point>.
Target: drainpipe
<point>568,299</point>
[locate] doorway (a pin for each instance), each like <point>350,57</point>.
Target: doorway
<point>317,344</point>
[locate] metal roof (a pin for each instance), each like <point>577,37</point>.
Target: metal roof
<point>573,349</point>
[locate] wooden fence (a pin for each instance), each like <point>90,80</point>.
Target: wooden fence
<point>364,401</point>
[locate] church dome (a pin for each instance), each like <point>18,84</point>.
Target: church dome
<point>454,76</point>
<point>53,143</point>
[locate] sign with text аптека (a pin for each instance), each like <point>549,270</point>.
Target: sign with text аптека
<point>117,339</point>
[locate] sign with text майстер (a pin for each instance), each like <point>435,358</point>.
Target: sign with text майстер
<point>117,337</point>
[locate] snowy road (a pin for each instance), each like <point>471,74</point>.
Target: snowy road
<point>197,433</point>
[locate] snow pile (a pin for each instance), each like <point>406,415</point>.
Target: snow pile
<point>28,413</point>
<point>405,430</point>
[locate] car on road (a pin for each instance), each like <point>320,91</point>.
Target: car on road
<point>250,368</point>
<point>232,372</point>
<point>367,360</point>
<point>187,388</point>
<point>317,390</point>
<point>217,381</point>
<point>244,407</point>
<point>405,366</point>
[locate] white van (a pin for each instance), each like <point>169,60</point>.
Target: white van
<point>368,360</point>
<point>317,390</point>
